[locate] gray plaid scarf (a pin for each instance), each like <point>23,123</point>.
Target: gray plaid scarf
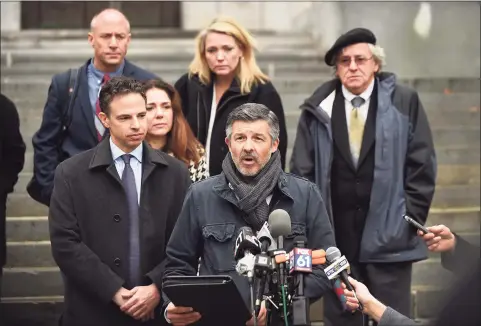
<point>252,195</point>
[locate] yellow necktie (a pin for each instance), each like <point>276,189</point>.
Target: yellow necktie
<point>356,129</point>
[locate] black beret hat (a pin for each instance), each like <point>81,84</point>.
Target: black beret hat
<point>356,35</point>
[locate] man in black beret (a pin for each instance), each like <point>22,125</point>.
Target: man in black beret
<point>366,142</point>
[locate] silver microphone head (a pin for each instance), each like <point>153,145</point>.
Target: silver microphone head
<point>332,253</point>
<point>245,264</point>
<point>279,223</point>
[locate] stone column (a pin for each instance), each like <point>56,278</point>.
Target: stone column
<point>254,15</point>
<point>326,23</point>
<point>11,16</point>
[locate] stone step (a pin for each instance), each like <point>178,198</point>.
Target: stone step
<point>459,154</point>
<point>32,311</point>
<point>35,228</point>
<point>142,57</point>
<point>442,137</point>
<point>449,156</point>
<point>466,117</point>
<point>35,252</point>
<point>20,204</point>
<point>31,282</point>
<point>459,174</point>
<point>29,253</point>
<point>177,67</point>
<point>45,311</point>
<point>27,228</point>
<point>38,253</point>
<point>161,43</point>
<point>47,281</point>
<point>154,49</point>
<point>294,84</point>
<point>456,196</point>
<point>452,174</point>
<point>464,112</point>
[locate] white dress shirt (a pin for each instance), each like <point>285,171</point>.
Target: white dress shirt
<point>213,111</point>
<point>363,110</point>
<point>135,163</point>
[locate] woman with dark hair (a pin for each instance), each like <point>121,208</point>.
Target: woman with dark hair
<point>169,131</point>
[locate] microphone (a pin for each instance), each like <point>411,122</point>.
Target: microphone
<point>246,248</point>
<point>338,268</point>
<point>318,257</point>
<point>245,243</point>
<point>280,226</point>
<point>263,263</point>
<point>300,262</point>
<point>265,238</point>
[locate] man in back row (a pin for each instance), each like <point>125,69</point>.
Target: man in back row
<point>70,123</point>
<point>366,141</point>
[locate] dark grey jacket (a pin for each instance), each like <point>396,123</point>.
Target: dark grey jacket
<point>405,166</point>
<point>210,221</point>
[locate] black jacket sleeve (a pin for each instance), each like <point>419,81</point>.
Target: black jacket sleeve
<point>12,147</point>
<point>270,98</point>
<point>80,264</point>
<point>464,253</point>
<point>181,87</point>
<point>47,139</point>
<point>302,159</point>
<point>420,166</point>
<point>183,249</point>
<point>157,274</point>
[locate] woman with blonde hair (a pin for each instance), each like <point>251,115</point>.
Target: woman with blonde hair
<point>222,76</point>
<point>169,131</point>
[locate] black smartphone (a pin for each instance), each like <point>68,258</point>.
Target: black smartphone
<point>416,224</point>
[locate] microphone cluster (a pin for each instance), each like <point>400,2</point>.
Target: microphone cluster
<point>278,275</point>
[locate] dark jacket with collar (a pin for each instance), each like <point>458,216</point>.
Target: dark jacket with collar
<point>51,145</point>
<point>210,221</point>
<point>12,159</point>
<point>89,229</point>
<point>196,105</point>
<point>404,172</point>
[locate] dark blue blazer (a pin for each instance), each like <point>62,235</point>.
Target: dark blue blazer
<point>51,145</point>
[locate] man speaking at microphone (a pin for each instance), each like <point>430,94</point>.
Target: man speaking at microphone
<point>251,186</point>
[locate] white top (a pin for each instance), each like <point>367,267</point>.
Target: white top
<point>363,110</point>
<point>213,111</point>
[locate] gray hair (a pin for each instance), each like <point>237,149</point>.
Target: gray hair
<point>378,55</point>
<point>253,112</point>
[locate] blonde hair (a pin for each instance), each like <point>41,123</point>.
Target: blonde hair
<point>247,72</point>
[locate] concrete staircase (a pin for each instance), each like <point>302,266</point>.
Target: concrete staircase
<point>32,285</point>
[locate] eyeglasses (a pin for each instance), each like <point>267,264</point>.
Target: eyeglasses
<point>359,60</point>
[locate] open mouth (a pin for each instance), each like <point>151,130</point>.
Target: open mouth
<point>248,160</point>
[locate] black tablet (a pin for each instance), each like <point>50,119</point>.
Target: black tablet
<point>216,298</point>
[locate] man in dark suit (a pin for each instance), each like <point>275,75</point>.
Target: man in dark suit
<point>12,158</point>
<point>63,135</point>
<point>112,211</point>
<point>365,141</point>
